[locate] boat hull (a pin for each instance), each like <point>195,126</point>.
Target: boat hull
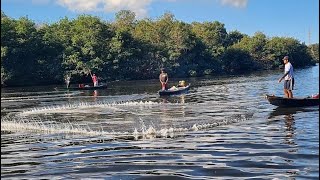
<point>180,90</point>
<point>88,88</point>
<point>292,102</point>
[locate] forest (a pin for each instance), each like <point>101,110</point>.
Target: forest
<point>132,49</point>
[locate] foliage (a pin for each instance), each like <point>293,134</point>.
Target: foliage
<point>313,50</point>
<point>234,37</point>
<point>127,49</point>
<point>235,60</point>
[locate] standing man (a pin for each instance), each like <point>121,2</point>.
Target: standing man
<point>163,77</point>
<point>67,80</point>
<point>94,79</point>
<point>288,78</point>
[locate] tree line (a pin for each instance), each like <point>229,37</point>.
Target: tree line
<point>131,49</point>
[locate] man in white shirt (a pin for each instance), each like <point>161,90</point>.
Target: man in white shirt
<point>288,78</point>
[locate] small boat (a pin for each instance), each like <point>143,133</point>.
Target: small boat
<point>102,86</point>
<point>176,91</point>
<point>292,102</point>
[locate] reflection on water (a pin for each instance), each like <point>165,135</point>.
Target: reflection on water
<point>289,117</point>
<point>222,129</point>
<point>278,111</point>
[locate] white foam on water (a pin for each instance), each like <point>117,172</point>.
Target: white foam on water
<point>20,121</point>
<point>18,125</point>
<point>43,97</point>
<point>14,123</point>
<point>151,132</point>
<point>84,105</point>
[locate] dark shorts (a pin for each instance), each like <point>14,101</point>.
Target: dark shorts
<point>289,84</point>
<point>164,86</point>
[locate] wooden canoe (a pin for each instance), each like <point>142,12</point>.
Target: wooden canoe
<point>292,102</point>
<point>103,86</point>
<point>169,92</point>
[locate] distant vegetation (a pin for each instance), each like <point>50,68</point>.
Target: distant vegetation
<point>130,49</point>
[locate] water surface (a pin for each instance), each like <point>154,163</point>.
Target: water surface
<point>222,129</point>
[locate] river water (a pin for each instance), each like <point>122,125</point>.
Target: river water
<point>223,128</point>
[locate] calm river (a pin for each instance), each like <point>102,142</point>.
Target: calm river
<point>222,129</point>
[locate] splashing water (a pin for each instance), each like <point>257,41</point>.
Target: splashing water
<point>25,122</point>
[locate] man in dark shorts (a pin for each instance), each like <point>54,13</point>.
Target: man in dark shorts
<point>163,77</point>
<point>288,78</point>
<point>67,80</point>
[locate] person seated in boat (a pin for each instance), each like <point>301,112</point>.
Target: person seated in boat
<point>182,83</point>
<point>173,88</point>
<point>163,78</point>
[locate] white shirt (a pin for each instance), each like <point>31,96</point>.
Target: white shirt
<point>288,67</point>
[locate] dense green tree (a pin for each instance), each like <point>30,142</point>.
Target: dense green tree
<point>213,34</point>
<point>234,37</point>
<point>254,45</point>
<point>235,60</point>
<point>4,74</point>
<point>86,49</point>
<point>277,47</point>
<point>21,41</point>
<point>125,21</point>
<point>7,33</point>
<point>313,50</point>
<point>34,54</point>
<point>146,33</point>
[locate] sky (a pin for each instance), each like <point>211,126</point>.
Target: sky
<point>298,19</point>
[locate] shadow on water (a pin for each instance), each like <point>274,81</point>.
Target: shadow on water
<point>280,111</point>
<point>292,119</point>
<point>181,98</point>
